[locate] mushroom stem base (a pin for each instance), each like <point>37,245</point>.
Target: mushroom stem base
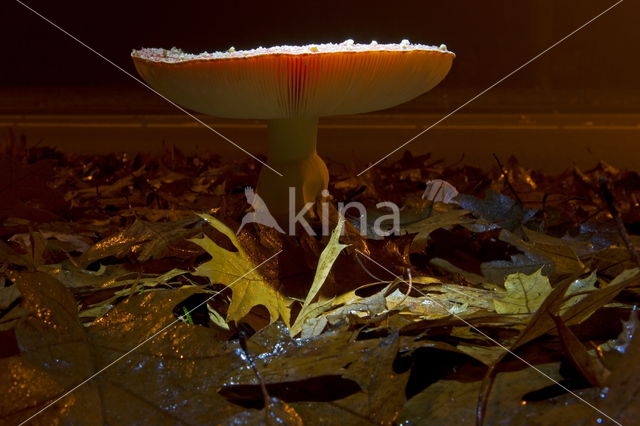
<point>292,152</point>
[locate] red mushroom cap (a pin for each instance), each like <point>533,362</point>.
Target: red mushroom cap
<point>295,81</point>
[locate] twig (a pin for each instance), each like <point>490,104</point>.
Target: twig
<point>506,180</point>
<point>365,269</point>
<point>410,283</point>
<point>242,337</point>
<point>611,204</point>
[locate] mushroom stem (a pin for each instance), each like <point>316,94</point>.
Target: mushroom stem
<point>292,151</point>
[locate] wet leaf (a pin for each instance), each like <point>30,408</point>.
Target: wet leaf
<point>437,220</point>
<point>524,293</point>
<point>279,413</point>
<point>73,242</point>
<point>442,300</point>
<point>497,208</point>
<point>595,300</point>
<point>291,360</point>
<point>73,276</point>
<point>488,355</point>
<point>237,270</point>
<point>561,257</point>
<point>8,295</point>
<point>579,289</point>
<point>132,216</point>
<point>496,271</point>
<point>382,394</point>
<point>450,402</point>
<point>146,240</point>
<point>10,256</point>
<point>383,389</point>
<point>325,262</point>
<point>541,322</point>
<point>630,329</point>
<point>158,382</point>
<point>623,388</point>
<point>589,366</point>
<point>617,400</point>
<point>138,284</point>
<point>423,307</point>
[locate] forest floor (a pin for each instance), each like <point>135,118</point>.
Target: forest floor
<point>126,296</point>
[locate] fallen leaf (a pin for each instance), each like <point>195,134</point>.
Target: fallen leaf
<point>578,290</point>
<point>448,266</point>
<point>325,262</point>
<point>589,366</point>
<point>279,413</point>
<point>488,355</point>
<point>620,397</point>
<point>73,276</point>
<point>424,307</point>
<point>9,256</point>
<point>524,293</point>
<point>426,226</point>
<point>365,367</point>
<point>236,270</point>
<point>450,402</point>
<point>157,384</point>
<point>541,322</point>
<point>383,390</point>
<point>75,242</point>
<point>497,208</point>
<point>595,300</point>
<point>146,240</point>
<point>26,192</point>
<point>105,191</point>
<point>496,271</point>
<point>439,191</point>
<point>560,255</point>
<point>8,295</point>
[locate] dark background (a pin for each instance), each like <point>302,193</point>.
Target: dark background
<point>490,38</point>
<point>584,95</point>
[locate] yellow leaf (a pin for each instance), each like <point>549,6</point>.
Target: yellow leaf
<point>423,307</point>
<point>525,293</point>
<point>216,318</point>
<point>578,290</point>
<point>227,267</point>
<point>487,355</point>
<point>327,258</point>
<point>438,220</point>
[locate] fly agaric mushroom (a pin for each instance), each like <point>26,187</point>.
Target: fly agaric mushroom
<point>291,87</point>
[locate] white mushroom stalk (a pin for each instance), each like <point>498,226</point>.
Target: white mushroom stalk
<point>291,87</point>
<point>292,151</point>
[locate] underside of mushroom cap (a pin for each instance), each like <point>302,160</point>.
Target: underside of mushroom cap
<point>295,81</point>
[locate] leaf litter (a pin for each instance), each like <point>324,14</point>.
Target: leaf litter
<point>100,254</point>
